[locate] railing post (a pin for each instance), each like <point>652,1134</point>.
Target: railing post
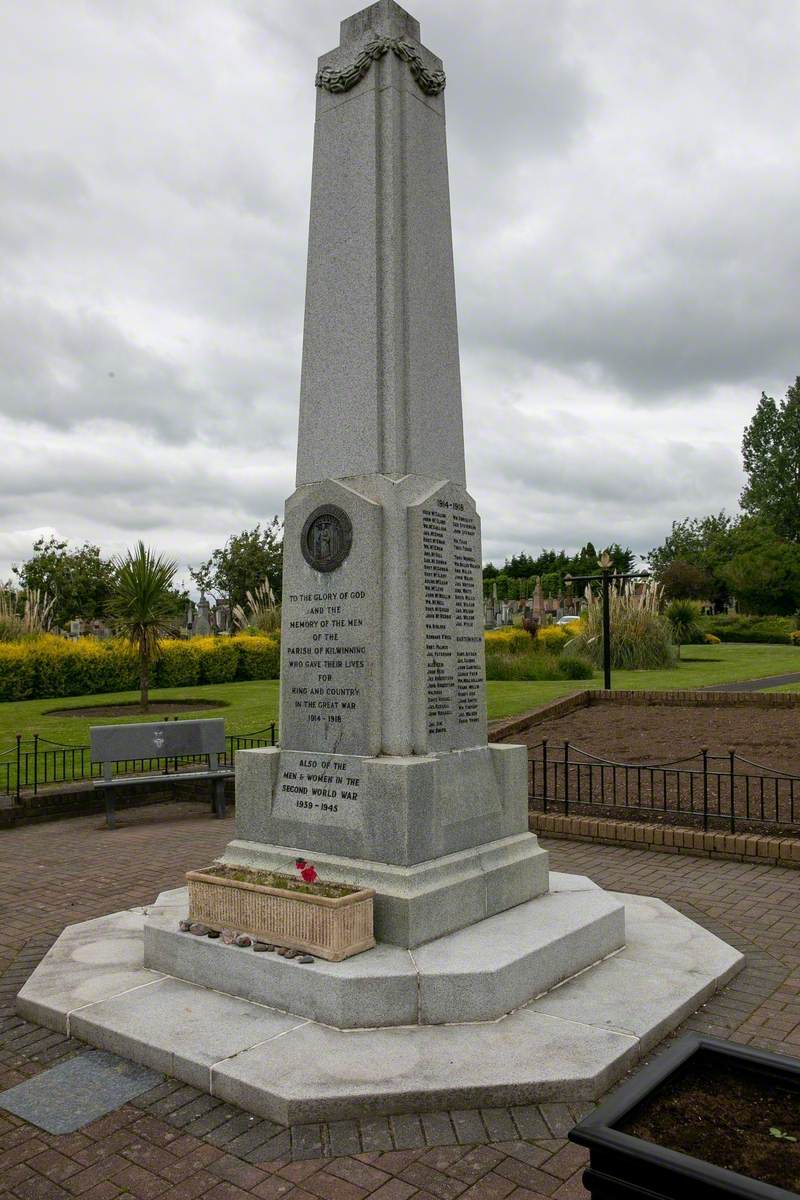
<point>544,775</point>
<point>733,790</point>
<point>704,752</point>
<point>272,733</point>
<point>566,779</point>
<point>35,763</point>
<point>19,764</point>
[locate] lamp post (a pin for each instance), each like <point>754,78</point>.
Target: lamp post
<point>606,567</point>
<point>606,577</point>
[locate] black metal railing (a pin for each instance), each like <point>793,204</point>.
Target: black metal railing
<point>31,764</point>
<point>717,791</point>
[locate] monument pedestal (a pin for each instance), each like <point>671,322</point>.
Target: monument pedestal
<point>442,838</point>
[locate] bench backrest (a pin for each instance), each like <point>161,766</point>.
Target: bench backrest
<point>158,739</point>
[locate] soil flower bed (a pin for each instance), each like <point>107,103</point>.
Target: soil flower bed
<point>705,1117</point>
<point>287,883</point>
<point>736,1121</point>
<point>330,920</point>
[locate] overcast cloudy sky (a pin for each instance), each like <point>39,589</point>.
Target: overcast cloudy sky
<point>625,180</point>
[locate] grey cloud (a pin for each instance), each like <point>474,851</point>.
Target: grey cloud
<point>624,200</point>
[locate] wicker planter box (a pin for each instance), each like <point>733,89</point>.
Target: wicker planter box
<point>328,927</point>
<point>624,1166</point>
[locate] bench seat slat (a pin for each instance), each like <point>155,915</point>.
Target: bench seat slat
<point>222,773</point>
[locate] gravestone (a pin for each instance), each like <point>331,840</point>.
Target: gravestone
<point>384,776</point>
<point>201,626</point>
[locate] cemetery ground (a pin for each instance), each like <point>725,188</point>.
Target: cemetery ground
<point>252,706</point>
<point>175,1143</point>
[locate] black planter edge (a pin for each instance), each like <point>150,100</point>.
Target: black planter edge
<point>595,1130</point>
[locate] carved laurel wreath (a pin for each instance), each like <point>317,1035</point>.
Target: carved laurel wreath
<point>431,82</point>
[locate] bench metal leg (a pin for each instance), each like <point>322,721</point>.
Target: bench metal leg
<point>218,797</point>
<point>111,808</point>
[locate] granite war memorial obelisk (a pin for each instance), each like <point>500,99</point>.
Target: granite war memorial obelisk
<point>384,775</point>
<point>491,982</point>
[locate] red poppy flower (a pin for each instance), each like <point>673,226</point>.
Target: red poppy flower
<point>306,871</point>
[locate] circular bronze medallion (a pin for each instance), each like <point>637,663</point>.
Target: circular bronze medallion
<point>326,538</point>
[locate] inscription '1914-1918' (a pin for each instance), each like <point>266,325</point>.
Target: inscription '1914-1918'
<point>453,622</point>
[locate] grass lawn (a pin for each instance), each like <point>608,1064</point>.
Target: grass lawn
<point>699,667</point>
<point>248,707</point>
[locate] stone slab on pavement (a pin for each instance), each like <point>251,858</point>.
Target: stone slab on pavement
<point>78,1091</point>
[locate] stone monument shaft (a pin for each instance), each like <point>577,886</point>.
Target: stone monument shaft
<point>384,775</point>
<point>380,389</point>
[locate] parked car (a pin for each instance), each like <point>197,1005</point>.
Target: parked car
<point>566,620</point>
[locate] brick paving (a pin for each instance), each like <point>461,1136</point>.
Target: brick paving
<point>177,1143</point>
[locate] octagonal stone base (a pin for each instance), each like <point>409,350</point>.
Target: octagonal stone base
<point>476,974</point>
<point>571,1043</point>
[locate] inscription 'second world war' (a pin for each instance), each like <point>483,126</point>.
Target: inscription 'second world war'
<point>326,538</point>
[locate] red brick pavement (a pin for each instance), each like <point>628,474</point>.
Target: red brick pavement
<point>177,1143</point>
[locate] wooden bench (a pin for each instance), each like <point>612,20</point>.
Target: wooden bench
<point>156,740</point>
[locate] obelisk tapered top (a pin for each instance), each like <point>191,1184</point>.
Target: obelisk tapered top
<point>386,19</point>
<point>380,390</point>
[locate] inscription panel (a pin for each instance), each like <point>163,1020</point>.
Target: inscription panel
<point>319,789</point>
<point>446,540</point>
<point>330,641</point>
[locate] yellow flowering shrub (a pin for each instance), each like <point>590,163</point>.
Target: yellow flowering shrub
<point>508,640</point>
<point>41,667</point>
<point>710,639</point>
<point>259,657</point>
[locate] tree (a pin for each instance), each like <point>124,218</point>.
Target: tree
<point>765,578</point>
<point>242,565</point>
<point>771,453</point>
<point>78,581</point>
<point>683,580</point>
<point>705,542</point>
<point>682,616</point>
<point>142,606</point>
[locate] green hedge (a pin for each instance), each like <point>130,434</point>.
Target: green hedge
<point>742,628</point>
<point>48,666</point>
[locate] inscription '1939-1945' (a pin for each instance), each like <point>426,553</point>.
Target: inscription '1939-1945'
<point>325,786</point>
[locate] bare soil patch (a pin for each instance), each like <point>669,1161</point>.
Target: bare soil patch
<point>761,790</point>
<point>156,708</point>
<point>728,1118</point>
<point>656,733</point>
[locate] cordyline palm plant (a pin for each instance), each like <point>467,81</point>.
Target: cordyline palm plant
<point>683,621</point>
<point>142,606</point>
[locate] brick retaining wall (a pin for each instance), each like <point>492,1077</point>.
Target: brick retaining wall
<point>742,847</point>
